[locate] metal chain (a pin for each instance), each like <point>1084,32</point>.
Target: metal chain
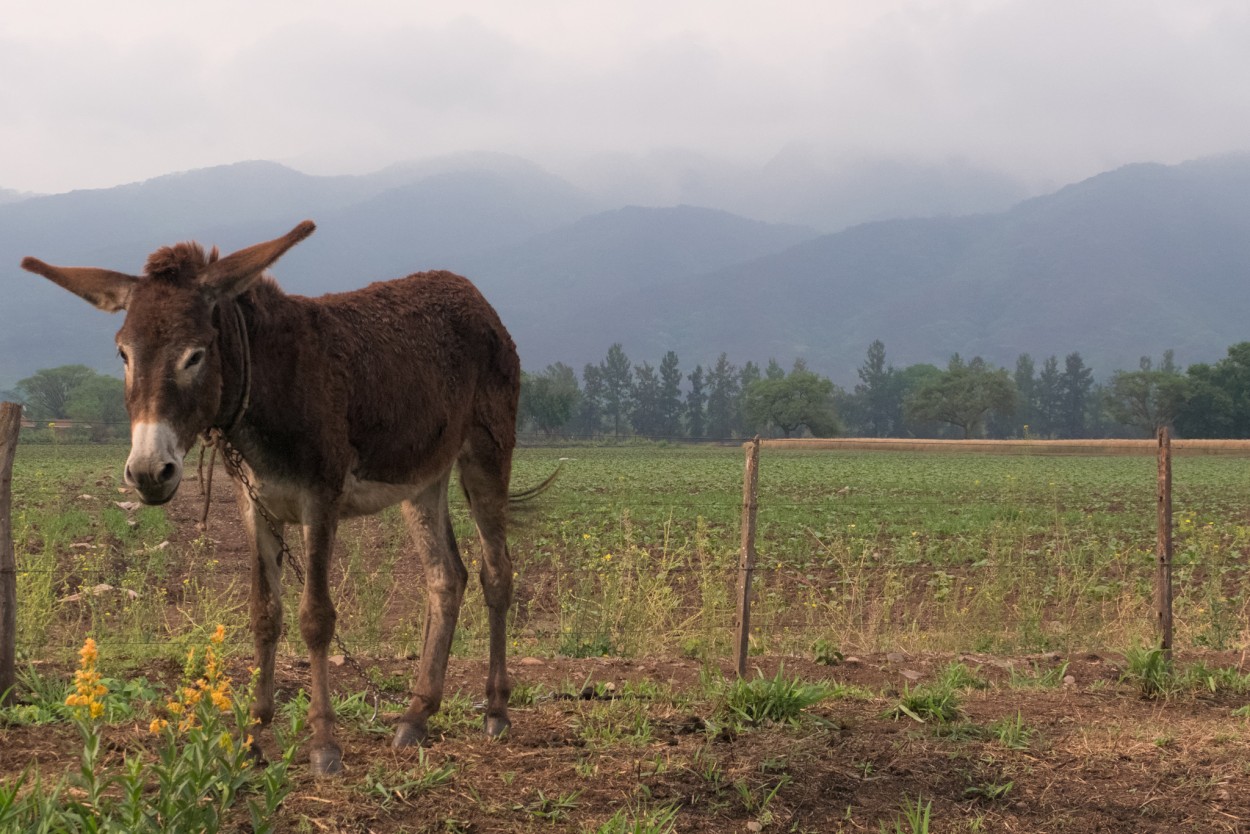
<point>233,459</point>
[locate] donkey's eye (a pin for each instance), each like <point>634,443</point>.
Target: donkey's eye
<point>193,360</point>
<point>122,353</point>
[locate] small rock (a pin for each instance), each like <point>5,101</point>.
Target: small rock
<point>912,674</point>
<point>85,497</point>
<point>851,659</point>
<point>754,825</point>
<point>1069,680</point>
<point>895,657</point>
<point>531,661</point>
<point>336,659</point>
<point>128,506</point>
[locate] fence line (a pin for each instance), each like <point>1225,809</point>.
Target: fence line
<point>779,586</point>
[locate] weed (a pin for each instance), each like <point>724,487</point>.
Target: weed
<point>456,713</point>
<point>989,792</point>
<point>915,817</point>
<point>924,704</point>
<point>640,820</point>
<point>958,676</point>
<point>610,723</point>
<point>389,785</point>
<point>777,700</point>
<point>826,653</point>
<point>1012,733</point>
<point>756,803</point>
<point>1150,670</point>
<point>1037,678</point>
<point>526,694</point>
<point>548,808</point>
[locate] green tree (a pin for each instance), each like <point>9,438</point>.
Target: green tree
<point>723,392</point>
<point>670,396</point>
<point>696,402</point>
<point>48,392</point>
<point>100,402</point>
<point>914,378</point>
<point>617,377</point>
<point>1074,387</point>
<point>1026,395</point>
<point>589,420</point>
<point>800,399</point>
<point>550,400</point>
<point>964,395</point>
<point>1048,399</point>
<point>1217,403</point>
<point>742,422</point>
<point>1149,398</point>
<point>644,412</point>
<point>879,395</point>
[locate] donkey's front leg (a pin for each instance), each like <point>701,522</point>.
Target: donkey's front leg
<point>316,625</point>
<point>266,602</point>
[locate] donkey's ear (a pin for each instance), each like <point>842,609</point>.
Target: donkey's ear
<point>104,288</point>
<point>235,273</point>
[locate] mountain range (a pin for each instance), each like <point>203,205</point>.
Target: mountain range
<point>776,265</point>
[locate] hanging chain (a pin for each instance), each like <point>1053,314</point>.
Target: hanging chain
<point>233,459</point>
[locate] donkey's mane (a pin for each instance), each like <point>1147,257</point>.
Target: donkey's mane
<point>180,263</point>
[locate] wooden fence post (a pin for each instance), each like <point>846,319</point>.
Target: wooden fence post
<point>746,560</point>
<point>10,426</point>
<point>1163,548</point>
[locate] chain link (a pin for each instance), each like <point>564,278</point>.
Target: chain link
<point>233,459</point>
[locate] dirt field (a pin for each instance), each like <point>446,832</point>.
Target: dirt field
<point>610,734</point>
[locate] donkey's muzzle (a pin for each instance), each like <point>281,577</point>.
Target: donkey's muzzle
<point>154,468</point>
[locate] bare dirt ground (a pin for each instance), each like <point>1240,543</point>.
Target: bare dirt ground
<point>1097,758</point>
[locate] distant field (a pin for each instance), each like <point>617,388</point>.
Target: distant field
<point>635,547</point>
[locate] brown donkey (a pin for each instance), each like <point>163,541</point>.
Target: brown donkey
<point>340,406</point>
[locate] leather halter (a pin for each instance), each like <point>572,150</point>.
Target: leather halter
<point>230,309</point>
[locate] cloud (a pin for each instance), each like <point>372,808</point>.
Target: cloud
<point>97,94</point>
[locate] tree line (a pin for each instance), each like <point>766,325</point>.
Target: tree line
<point>968,398</point>
<point>94,401</point>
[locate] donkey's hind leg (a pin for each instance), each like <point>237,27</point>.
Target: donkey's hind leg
<point>429,524</point>
<point>484,475</point>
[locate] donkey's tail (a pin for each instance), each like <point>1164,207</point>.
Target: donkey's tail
<point>521,496</point>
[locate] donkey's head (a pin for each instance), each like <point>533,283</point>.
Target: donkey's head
<point>170,344</point>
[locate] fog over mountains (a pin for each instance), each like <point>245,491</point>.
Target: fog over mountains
<point>677,252</point>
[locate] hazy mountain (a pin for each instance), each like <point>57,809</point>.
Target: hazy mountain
<point>8,195</point>
<point>797,186</point>
<point>555,277</point>
<point>1125,264</point>
<point>383,225</point>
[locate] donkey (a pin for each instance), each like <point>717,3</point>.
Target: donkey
<point>340,406</point>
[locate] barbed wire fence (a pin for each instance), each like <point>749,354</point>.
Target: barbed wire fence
<point>846,568</point>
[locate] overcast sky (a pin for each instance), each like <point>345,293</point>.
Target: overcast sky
<point>100,93</point>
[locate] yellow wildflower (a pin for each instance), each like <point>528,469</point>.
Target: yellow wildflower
<point>219,635</point>
<point>157,725</point>
<point>88,688</point>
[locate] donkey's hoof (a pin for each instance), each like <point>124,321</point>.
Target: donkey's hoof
<point>326,761</point>
<point>497,725</point>
<point>257,754</point>
<point>408,734</point>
